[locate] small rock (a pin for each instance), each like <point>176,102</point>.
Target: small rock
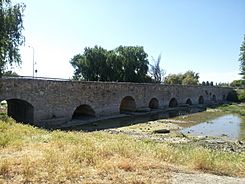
<point>161,131</point>
<point>224,135</point>
<point>95,124</point>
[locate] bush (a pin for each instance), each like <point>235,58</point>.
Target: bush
<point>241,95</point>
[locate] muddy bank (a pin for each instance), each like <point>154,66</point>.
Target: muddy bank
<point>156,131</point>
<point>206,142</point>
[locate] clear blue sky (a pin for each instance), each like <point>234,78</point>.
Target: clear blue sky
<point>200,35</point>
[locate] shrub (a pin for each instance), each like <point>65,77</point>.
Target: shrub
<point>241,95</point>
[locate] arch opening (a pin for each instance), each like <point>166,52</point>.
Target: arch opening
<point>201,100</point>
<point>232,96</point>
<point>154,103</point>
<point>83,112</point>
<point>20,110</point>
<point>127,104</point>
<point>214,98</point>
<point>188,101</point>
<point>173,103</point>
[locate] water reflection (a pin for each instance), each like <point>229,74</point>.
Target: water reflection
<point>129,119</point>
<point>228,125</point>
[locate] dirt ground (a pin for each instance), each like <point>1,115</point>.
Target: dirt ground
<point>204,178</point>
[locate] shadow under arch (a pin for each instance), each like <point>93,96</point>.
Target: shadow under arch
<point>83,111</point>
<point>232,96</point>
<point>201,100</point>
<point>173,102</point>
<point>154,103</point>
<point>127,104</point>
<point>20,110</point>
<point>214,98</point>
<point>188,101</point>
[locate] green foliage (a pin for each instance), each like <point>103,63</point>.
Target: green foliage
<point>125,63</point>
<point>241,95</point>
<point>173,79</point>
<point>10,74</point>
<point>11,26</point>
<point>242,58</point>
<point>134,63</point>
<point>238,84</point>
<point>223,84</point>
<point>188,78</point>
<point>207,83</point>
<point>234,108</point>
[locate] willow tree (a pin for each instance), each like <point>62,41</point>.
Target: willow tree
<point>11,27</point>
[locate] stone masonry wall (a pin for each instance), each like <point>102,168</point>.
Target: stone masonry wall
<point>54,99</point>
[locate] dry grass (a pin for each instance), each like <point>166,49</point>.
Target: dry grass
<point>32,155</point>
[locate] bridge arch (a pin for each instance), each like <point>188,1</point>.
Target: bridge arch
<point>154,103</point>
<point>128,104</point>
<point>201,100</point>
<point>188,101</point>
<point>173,102</point>
<point>232,96</point>
<point>20,110</point>
<point>83,111</point>
<point>214,98</point>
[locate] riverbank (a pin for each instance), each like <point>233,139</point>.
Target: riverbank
<point>130,154</point>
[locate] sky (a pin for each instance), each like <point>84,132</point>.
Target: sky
<point>200,35</point>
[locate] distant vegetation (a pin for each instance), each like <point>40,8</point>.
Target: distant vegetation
<point>188,78</point>
<point>124,64</point>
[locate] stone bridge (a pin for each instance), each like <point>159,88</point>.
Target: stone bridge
<point>39,101</point>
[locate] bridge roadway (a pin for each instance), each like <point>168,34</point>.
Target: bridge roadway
<point>42,101</point>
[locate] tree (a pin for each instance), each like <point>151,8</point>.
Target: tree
<point>134,63</point>
<point>156,72</point>
<point>242,59</point>
<point>10,74</point>
<point>128,64</point>
<point>173,79</point>
<point>238,84</point>
<point>91,65</point>
<point>188,78</point>
<point>223,84</point>
<point>11,26</point>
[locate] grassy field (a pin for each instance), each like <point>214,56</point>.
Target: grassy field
<point>33,155</point>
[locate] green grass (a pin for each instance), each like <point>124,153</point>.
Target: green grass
<point>29,154</point>
<point>234,108</point>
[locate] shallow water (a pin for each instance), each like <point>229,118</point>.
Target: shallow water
<point>229,126</point>
<point>128,120</point>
